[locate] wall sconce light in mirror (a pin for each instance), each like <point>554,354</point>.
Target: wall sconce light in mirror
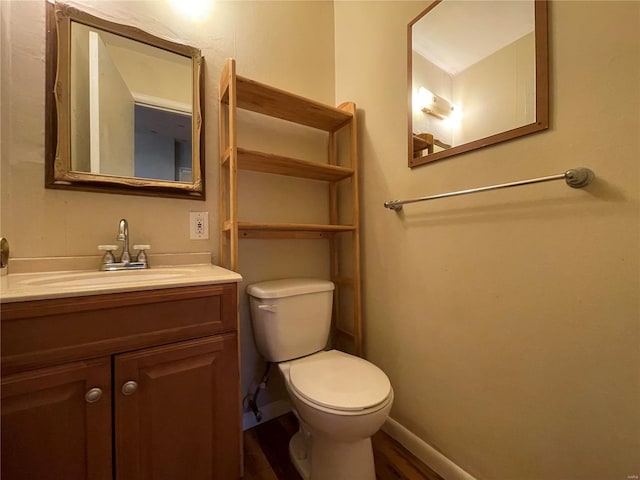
<point>436,105</point>
<point>124,110</point>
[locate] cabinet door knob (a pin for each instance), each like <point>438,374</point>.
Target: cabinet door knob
<point>93,395</point>
<point>129,388</point>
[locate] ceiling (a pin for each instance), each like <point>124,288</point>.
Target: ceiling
<point>458,33</point>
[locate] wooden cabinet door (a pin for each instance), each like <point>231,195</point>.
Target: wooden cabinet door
<point>49,428</point>
<point>177,411</point>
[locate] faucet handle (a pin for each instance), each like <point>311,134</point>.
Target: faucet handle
<point>108,256</point>
<point>142,256</point>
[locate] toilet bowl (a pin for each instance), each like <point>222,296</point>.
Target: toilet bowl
<point>337,418</point>
<point>341,400</point>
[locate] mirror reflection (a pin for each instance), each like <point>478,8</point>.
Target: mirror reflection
<point>477,75</point>
<point>127,108</point>
<point>124,124</point>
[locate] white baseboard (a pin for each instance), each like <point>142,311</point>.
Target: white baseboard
<point>269,412</point>
<point>425,452</point>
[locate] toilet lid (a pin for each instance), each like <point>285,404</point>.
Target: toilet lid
<point>339,381</point>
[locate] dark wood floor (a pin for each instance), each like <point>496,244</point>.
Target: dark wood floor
<point>266,454</point>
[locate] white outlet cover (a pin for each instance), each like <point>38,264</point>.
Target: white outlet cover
<point>198,225</point>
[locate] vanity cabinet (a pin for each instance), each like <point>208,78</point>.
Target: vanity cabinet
<point>129,386</point>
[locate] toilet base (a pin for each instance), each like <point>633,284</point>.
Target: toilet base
<point>299,455</point>
<point>326,459</point>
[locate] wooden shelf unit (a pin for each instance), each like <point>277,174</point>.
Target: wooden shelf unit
<point>237,92</point>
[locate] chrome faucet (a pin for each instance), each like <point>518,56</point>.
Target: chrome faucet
<point>123,236</point>
<point>109,260</point>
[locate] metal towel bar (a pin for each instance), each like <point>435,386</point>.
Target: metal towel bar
<point>575,178</point>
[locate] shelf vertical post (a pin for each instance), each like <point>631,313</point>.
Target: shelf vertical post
<point>355,253</point>
<point>228,150</point>
<point>223,141</point>
<point>334,247</point>
<point>233,169</point>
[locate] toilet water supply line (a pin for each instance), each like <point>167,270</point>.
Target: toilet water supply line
<point>252,400</point>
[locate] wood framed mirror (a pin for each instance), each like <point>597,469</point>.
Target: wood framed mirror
<point>477,76</point>
<point>123,109</point>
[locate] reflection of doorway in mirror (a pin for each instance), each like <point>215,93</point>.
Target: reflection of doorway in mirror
<point>162,144</point>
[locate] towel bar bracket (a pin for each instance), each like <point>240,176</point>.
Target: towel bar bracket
<point>578,177</point>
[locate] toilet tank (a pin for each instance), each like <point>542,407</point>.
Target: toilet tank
<point>291,317</point>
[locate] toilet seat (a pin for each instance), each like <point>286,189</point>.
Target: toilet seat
<point>339,381</point>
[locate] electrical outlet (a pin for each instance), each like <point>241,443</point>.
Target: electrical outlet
<point>198,225</point>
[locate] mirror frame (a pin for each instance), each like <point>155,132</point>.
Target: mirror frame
<point>58,171</point>
<point>542,92</point>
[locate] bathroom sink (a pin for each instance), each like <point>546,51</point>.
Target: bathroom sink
<point>35,286</point>
<point>70,279</point>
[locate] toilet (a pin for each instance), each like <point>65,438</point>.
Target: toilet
<point>341,400</point>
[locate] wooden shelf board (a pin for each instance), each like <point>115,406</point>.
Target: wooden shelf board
<point>270,163</point>
<point>267,100</point>
<point>290,230</point>
<point>285,234</point>
<point>310,227</point>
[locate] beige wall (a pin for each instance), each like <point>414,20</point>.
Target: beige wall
<point>508,321</point>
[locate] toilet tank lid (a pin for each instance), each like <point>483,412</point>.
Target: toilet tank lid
<point>288,287</point>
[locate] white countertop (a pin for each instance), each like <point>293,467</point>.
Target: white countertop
<point>20,287</point>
